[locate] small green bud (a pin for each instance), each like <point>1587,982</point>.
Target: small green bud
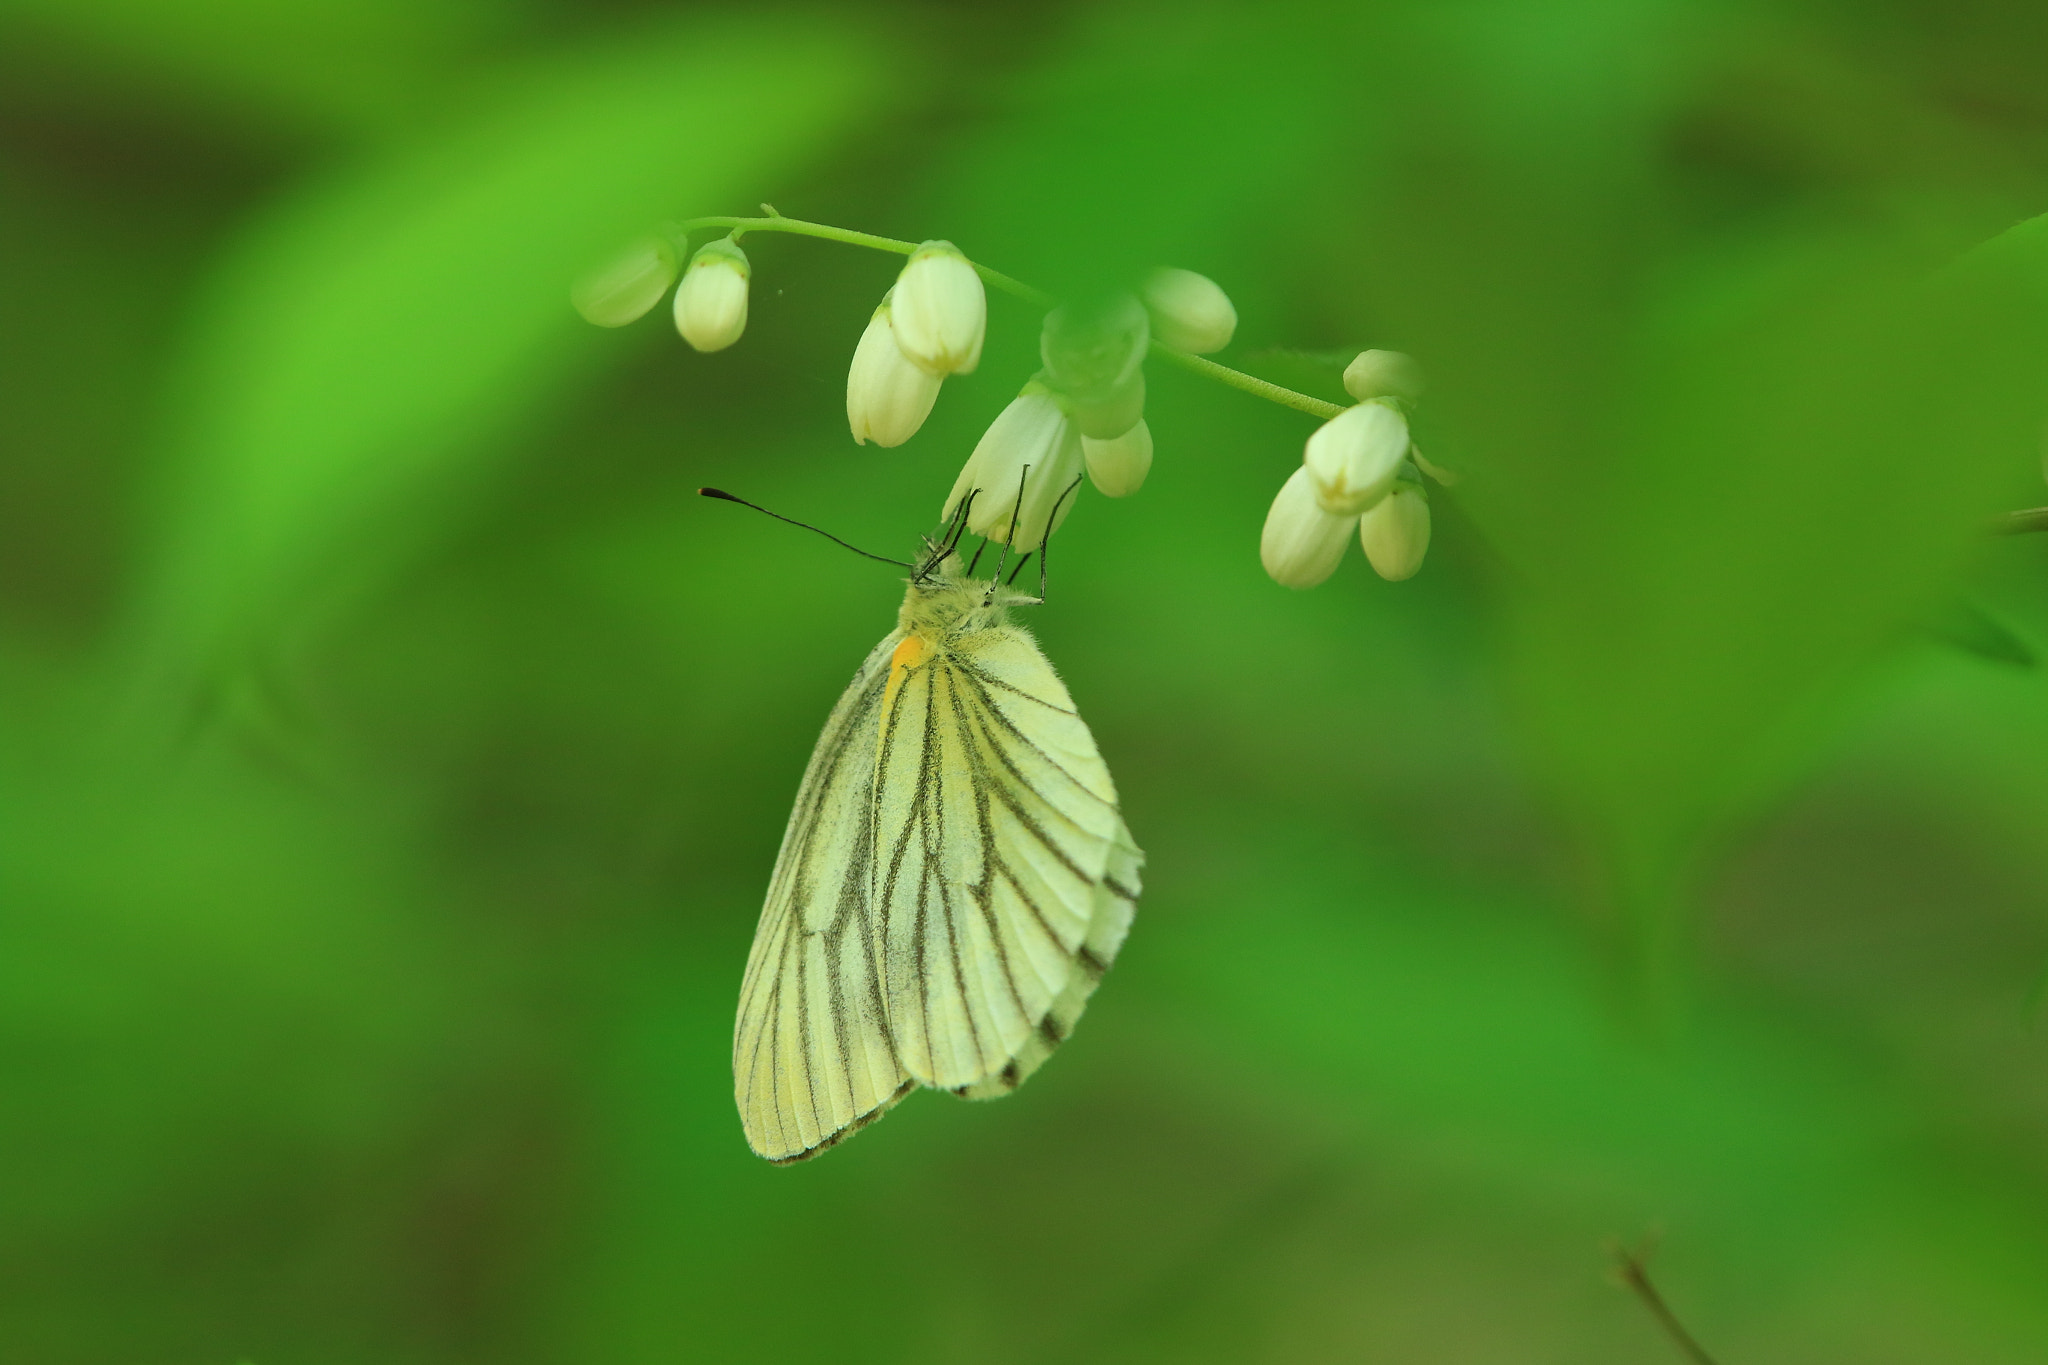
<point>1395,532</point>
<point>1118,466</point>
<point>1189,311</point>
<point>626,287</point>
<point>1091,351</point>
<point>1383,374</point>
<point>1095,357</point>
<point>1106,416</point>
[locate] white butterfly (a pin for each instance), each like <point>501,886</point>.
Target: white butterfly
<point>955,879</point>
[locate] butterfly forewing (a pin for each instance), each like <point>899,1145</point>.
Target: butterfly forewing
<point>812,1053</point>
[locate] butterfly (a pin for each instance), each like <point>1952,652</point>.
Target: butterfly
<point>955,879</point>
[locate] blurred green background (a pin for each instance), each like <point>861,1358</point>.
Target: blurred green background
<point>393,750</point>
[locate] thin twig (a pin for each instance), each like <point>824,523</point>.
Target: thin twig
<point>1633,1270</point>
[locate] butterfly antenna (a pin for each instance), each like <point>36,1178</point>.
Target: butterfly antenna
<point>959,525</point>
<point>1045,554</point>
<point>966,513</point>
<point>1011,534</point>
<point>724,496</point>
<point>950,536</point>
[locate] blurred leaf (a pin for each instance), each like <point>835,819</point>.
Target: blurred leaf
<point>1463,1035</point>
<point>1157,135</point>
<point>375,337</point>
<point>1971,628</point>
<point>220,1006</point>
<point>1729,449</point>
<point>310,66</point>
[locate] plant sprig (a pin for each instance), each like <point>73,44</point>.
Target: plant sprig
<point>772,221</point>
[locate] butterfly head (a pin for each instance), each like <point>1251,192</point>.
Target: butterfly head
<point>946,598</point>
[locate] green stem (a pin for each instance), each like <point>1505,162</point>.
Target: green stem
<point>1249,383</point>
<point>1222,374</point>
<point>742,226</point>
<point>2019,523</point>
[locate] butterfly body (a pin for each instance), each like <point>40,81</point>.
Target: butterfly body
<point>955,878</point>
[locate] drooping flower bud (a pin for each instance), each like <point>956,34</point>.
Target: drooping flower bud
<point>940,311</point>
<point>1353,458</point>
<point>1022,468</point>
<point>1395,533</point>
<point>1095,357</point>
<point>887,395</point>
<point>1302,543</point>
<point>626,287</point>
<point>1383,374</point>
<point>1189,311</point>
<point>1117,466</point>
<point>711,303</point>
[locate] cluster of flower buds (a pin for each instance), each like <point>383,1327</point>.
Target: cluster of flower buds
<point>711,303</point>
<point>1085,410</point>
<point>930,325</point>
<point>1357,473</point>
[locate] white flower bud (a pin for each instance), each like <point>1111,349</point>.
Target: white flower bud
<point>1033,431</point>
<point>887,396</point>
<point>1353,457</point>
<point>1117,466</point>
<point>1302,543</point>
<point>711,303</point>
<point>1189,311</point>
<point>940,310</point>
<point>625,288</point>
<point>1383,374</point>
<point>1395,533</point>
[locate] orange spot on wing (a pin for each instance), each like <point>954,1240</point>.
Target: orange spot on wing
<point>911,652</point>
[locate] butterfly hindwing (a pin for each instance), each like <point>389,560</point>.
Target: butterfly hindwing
<point>813,1057</point>
<point>1004,878</point>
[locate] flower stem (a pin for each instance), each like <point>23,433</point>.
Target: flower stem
<point>1222,374</point>
<point>778,223</point>
<point>1249,383</point>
